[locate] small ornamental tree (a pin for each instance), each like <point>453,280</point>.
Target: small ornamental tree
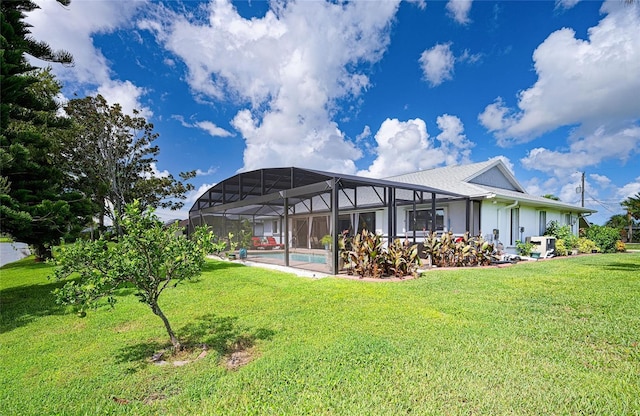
<point>148,257</point>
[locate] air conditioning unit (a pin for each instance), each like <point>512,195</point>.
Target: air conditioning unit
<point>544,245</point>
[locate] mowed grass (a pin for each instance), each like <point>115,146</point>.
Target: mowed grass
<point>548,337</point>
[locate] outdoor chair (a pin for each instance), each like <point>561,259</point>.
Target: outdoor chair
<point>272,243</point>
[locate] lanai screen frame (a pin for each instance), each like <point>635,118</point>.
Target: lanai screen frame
<point>275,191</point>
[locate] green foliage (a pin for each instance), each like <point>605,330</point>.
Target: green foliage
<point>558,231</point>
<point>586,246</point>
<point>366,256</point>
<point>111,156</point>
<point>524,249</point>
<point>401,258</point>
<point>38,205</point>
<point>147,257</point>
<point>562,232</point>
<point>561,247</point>
<point>632,205</point>
<point>222,245</point>
<point>245,234</point>
<point>618,221</point>
<point>326,240</point>
<point>465,251</point>
<point>604,237</point>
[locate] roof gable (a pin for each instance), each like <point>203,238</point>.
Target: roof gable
<point>463,179</point>
<point>496,177</point>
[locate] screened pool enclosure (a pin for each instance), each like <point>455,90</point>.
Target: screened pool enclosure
<point>294,217</point>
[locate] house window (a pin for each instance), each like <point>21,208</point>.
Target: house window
<point>515,225</point>
<point>542,224</point>
<point>274,227</point>
<point>366,221</point>
<point>423,220</point>
<point>567,219</point>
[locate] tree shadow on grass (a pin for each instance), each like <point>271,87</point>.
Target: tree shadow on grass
<point>622,267</point>
<point>212,266</point>
<point>221,334</point>
<point>21,305</point>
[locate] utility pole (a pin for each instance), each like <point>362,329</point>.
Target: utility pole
<point>582,189</point>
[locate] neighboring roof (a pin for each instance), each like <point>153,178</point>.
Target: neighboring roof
<point>490,179</point>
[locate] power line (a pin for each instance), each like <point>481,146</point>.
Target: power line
<point>602,204</point>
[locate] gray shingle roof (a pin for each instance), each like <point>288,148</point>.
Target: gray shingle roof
<point>451,178</point>
<point>456,179</point>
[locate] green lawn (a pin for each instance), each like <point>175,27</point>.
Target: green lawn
<point>633,246</point>
<point>548,337</point>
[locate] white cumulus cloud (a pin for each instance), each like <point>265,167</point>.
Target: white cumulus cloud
<point>590,84</point>
<point>602,144</point>
<point>405,146</point>
<point>566,4</point>
<point>437,64</point>
<point>212,129</point>
<point>72,28</point>
<point>459,10</point>
<point>630,189</point>
<point>289,67</point>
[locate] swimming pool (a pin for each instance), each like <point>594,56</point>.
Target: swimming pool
<point>301,257</point>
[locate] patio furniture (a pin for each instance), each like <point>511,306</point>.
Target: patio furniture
<point>271,242</point>
<point>258,244</point>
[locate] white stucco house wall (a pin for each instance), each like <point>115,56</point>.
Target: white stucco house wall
<point>501,207</point>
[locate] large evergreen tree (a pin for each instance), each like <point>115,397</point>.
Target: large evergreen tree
<point>111,156</point>
<point>37,206</point>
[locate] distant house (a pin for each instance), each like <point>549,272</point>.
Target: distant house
<point>182,223</point>
<point>298,207</point>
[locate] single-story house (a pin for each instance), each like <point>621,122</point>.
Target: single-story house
<point>298,207</point>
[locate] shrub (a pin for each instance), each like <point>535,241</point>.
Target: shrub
<point>465,251</point>
<point>586,246</point>
<point>366,256</point>
<point>524,249</point>
<point>604,237</point>
<point>562,232</point>
<point>620,246</point>
<point>561,248</point>
<point>401,259</point>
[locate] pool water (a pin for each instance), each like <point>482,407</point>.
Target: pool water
<point>301,257</point>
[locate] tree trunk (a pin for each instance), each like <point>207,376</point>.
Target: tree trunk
<point>174,340</point>
<point>42,253</point>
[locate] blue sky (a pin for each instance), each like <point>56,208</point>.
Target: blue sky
<point>375,88</point>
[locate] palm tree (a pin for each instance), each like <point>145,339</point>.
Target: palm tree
<point>632,204</point>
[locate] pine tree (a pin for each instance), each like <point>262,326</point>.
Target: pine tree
<point>37,205</point>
